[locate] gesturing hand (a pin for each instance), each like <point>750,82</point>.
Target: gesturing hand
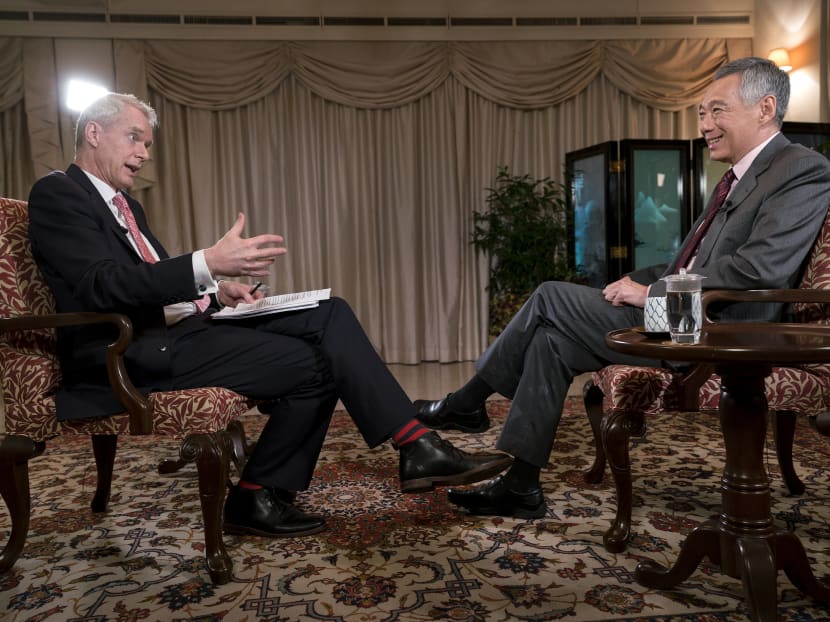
<point>234,255</point>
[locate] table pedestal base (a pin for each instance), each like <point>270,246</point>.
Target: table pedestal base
<point>742,540</point>
<point>759,559</point>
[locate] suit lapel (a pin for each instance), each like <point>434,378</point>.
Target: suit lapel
<point>740,192</point>
<point>100,208</point>
<point>104,214</point>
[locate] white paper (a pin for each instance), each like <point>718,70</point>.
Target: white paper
<point>274,304</point>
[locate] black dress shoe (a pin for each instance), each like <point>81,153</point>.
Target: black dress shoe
<point>436,414</point>
<point>431,461</point>
<point>496,498</point>
<point>289,496</point>
<point>267,512</point>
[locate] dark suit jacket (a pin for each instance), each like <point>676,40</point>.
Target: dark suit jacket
<point>764,231</point>
<point>89,264</point>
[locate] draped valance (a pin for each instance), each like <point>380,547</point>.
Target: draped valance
<point>666,74</point>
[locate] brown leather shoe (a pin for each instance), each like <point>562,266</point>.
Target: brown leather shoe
<point>432,461</point>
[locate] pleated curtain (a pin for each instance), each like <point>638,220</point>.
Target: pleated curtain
<point>368,157</point>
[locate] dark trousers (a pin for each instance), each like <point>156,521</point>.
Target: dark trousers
<point>558,333</point>
<point>301,362</point>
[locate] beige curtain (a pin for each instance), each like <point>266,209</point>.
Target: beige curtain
<point>370,157</point>
<point>16,171</point>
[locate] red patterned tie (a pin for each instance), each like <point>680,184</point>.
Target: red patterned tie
<point>718,197</point>
<point>127,214</point>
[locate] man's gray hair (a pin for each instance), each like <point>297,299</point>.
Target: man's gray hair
<point>106,109</point>
<point>760,77</point>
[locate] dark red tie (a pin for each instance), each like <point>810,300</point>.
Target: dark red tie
<point>127,214</point>
<point>718,197</point>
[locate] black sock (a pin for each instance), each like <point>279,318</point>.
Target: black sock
<point>523,476</point>
<point>471,396</point>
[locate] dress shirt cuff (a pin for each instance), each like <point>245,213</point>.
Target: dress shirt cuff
<point>201,274</point>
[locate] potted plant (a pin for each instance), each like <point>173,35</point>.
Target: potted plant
<point>524,233</point>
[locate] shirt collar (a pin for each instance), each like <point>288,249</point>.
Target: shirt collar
<point>103,188</point>
<point>742,165</point>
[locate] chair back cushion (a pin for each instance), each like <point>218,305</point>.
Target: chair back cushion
<point>816,276</point>
<point>29,373</point>
<point>22,289</point>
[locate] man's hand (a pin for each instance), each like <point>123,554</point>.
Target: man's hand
<point>625,292</point>
<point>231,293</point>
<point>234,255</point>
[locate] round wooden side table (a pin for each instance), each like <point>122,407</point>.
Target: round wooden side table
<point>742,540</point>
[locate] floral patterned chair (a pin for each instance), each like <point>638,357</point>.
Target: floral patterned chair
<point>618,398</point>
<point>205,418</point>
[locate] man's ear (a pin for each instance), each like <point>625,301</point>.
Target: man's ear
<point>768,105</point>
<point>92,133</point>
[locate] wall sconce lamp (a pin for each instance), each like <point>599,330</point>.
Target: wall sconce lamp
<point>781,57</point>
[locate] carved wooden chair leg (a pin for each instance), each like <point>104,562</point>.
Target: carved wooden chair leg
<point>783,427</point>
<point>103,448</point>
<point>617,429</point>
<point>592,397</point>
<point>211,453</point>
<point>170,465</point>
<point>241,448</point>
<point>15,453</point>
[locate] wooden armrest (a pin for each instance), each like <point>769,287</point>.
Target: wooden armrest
<point>820,296</point>
<point>139,407</point>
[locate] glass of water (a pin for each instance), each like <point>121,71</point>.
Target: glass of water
<point>683,306</point>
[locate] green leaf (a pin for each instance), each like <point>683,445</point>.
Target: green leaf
<point>524,234</point>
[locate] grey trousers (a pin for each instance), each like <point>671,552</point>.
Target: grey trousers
<point>559,333</point>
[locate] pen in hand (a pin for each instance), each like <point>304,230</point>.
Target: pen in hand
<point>255,287</point>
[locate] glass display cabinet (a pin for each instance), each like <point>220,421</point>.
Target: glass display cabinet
<point>657,198</point>
<point>629,205</point>
<point>593,213</point>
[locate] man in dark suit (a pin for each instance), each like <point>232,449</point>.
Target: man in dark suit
<point>778,196</point>
<point>96,252</point>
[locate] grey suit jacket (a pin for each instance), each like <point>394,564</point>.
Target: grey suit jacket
<point>763,233</point>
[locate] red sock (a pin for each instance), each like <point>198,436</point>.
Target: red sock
<point>249,485</point>
<point>412,431</point>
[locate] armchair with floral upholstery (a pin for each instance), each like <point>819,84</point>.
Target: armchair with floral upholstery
<point>619,398</point>
<point>205,419</point>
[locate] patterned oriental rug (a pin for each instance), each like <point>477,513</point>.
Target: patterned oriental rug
<point>392,557</point>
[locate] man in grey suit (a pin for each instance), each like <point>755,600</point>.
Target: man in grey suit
<point>758,238</point>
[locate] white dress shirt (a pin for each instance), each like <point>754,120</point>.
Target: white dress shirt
<point>204,281</point>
